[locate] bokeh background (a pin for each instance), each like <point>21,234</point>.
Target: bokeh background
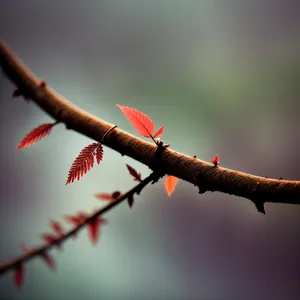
<point>223,77</point>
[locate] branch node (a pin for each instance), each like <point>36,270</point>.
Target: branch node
<point>42,84</point>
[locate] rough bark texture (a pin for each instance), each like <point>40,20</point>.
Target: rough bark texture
<point>198,172</point>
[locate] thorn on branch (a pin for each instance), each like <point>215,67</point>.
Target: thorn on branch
<point>260,206</point>
<point>17,93</point>
<point>42,84</point>
<point>202,189</point>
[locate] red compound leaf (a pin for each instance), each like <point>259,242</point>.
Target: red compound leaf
<point>159,132</point>
<point>99,153</point>
<point>170,184</point>
<point>57,227</point>
<point>215,160</point>
<point>130,200</point>
<point>19,275</point>
<point>141,122</point>
<point>36,134</point>
<point>85,161</point>
<point>134,173</point>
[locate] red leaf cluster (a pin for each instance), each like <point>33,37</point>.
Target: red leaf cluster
<point>85,161</point>
<point>93,227</point>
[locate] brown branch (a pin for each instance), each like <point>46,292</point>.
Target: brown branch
<point>44,248</point>
<point>200,173</point>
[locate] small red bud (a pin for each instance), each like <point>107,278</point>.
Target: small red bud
<point>215,160</point>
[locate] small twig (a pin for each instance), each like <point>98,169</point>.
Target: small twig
<point>44,248</point>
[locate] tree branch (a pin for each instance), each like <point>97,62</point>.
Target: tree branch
<point>44,248</point>
<point>198,172</point>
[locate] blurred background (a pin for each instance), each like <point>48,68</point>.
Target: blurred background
<point>223,77</point>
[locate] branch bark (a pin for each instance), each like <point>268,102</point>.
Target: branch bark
<point>200,173</point>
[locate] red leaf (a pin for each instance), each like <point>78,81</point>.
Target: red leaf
<point>130,200</point>
<point>50,239</point>
<point>85,161</point>
<point>134,173</point>
<point>170,184</point>
<point>94,229</point>
<point>36,134</point>
<point>82,216</point>
<point>57,227</point>
<point>140,121</point>
<point>215,160</point>
<point>48,260</point>
<point>159,132</point>
<point>75,220</point>
<point>110,197</point>
<point>72,219</point>
<point>19,274</point>
<point>104,196</point>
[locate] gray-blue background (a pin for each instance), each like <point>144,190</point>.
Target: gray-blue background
<point>223,77</point>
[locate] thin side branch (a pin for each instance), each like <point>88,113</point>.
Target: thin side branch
<point>153,177</point>
<point>200,173</point>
